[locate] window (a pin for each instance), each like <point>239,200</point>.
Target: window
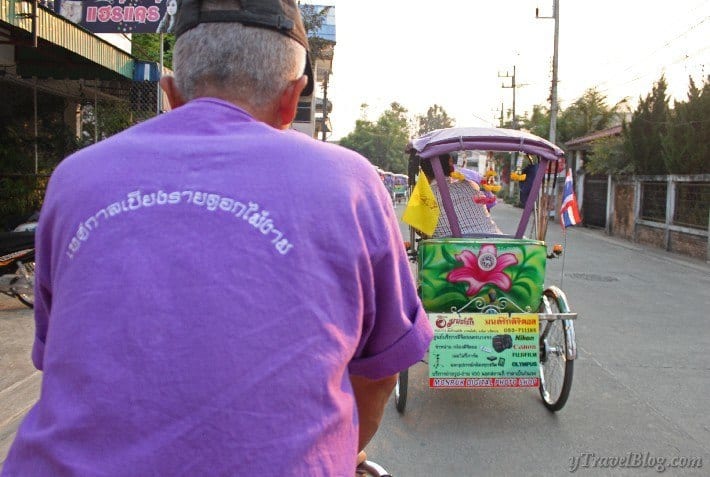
<point>303,113</point>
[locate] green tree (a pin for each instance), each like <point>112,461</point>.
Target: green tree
<point>146,47</point>
<point>435,118</point>
<point>643,134</point>
<point>97,125</point>
<point>686,140</point>
<point>21,190</point>
<point>608,156</point>
<point>313,18</point>
<point>589,113</point>
<point>383,141</point>
<point>539,121</point>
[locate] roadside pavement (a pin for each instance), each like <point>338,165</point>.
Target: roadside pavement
<point>19,380</point>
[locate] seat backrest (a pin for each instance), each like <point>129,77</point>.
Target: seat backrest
<point>481,275</point>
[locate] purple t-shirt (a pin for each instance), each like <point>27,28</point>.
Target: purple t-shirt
<point>205,285</point>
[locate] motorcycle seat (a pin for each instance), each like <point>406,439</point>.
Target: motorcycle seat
<point>14,241</point>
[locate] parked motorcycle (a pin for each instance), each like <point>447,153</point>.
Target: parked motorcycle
<point>17,265</point>
<point>29,225</point>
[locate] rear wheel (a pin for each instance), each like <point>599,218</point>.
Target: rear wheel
<point>556,370</point>
<point>400,391</point>
<point>371,469</point>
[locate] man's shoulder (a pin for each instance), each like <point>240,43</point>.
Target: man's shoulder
<point>336,156</point>
<point>324,147</point>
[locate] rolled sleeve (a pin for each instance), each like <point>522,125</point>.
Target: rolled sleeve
<point>395,330</point>
<point>405,352</point>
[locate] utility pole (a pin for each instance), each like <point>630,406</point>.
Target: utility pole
<point>553,103</point>
<point>325,105</point>
<point>553,96</point>
<point>513,86</point>
<point>514,156</point>
<point>499,118</point>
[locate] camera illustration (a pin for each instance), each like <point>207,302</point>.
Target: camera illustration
<point>502,343</point>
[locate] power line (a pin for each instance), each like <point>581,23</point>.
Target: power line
<point>666,44</point>
<point>484,120</point>
<point>681,59</point>
<point>689,15</point>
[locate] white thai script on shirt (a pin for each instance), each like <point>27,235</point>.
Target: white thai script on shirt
<point>249,213</point>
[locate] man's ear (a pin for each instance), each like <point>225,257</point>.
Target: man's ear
<point>288,103</point>
<point>167,84</point>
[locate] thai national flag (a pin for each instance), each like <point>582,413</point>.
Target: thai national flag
<point>569,211</point>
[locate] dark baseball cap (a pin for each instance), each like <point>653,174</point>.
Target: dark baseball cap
<point>282,16</point>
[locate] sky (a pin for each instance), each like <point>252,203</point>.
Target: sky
<point>455,53</point>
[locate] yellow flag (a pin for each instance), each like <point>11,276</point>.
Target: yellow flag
<point>422,211</point>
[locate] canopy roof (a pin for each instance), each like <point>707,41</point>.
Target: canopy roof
<point>442,141</point>
<point>64,50</point>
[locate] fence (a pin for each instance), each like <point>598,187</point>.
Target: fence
<point>102,115</point>
<point>671,212</point>
<point>43,121</point>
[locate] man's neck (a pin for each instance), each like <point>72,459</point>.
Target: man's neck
<point>264,114</point>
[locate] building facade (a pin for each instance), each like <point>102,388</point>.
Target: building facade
<point>313,112</point>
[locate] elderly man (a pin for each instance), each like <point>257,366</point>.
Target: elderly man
<point>205,303</point>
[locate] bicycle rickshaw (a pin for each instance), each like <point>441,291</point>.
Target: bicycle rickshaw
<point>495,323</point>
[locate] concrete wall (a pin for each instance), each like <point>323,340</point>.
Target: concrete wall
<point>649,235</point>
<point>690,245</point>
<point>624,218</point>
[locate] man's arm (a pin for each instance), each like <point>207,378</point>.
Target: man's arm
<point>371,397</point>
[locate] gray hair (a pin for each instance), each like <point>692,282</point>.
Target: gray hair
<point>248,64</point>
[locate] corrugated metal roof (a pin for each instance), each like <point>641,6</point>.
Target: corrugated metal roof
<point>61,32</point>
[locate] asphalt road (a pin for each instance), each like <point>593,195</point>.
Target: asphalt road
<point>640,392</point>
<point>19,380</point>
<point>641,380</point>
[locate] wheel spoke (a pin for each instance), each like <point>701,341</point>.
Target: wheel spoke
<point>555,369</point>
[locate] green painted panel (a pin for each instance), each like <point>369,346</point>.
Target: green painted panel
<point>481,275</point>
<point>59,31</point>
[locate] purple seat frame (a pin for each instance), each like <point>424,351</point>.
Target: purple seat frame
<point>443,141</point>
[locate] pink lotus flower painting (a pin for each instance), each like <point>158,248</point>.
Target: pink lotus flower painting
<point>484,268</point>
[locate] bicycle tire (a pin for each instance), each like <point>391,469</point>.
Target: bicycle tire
<point>400,391</point>
<point>371,469</point>
<point>556,370</point>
